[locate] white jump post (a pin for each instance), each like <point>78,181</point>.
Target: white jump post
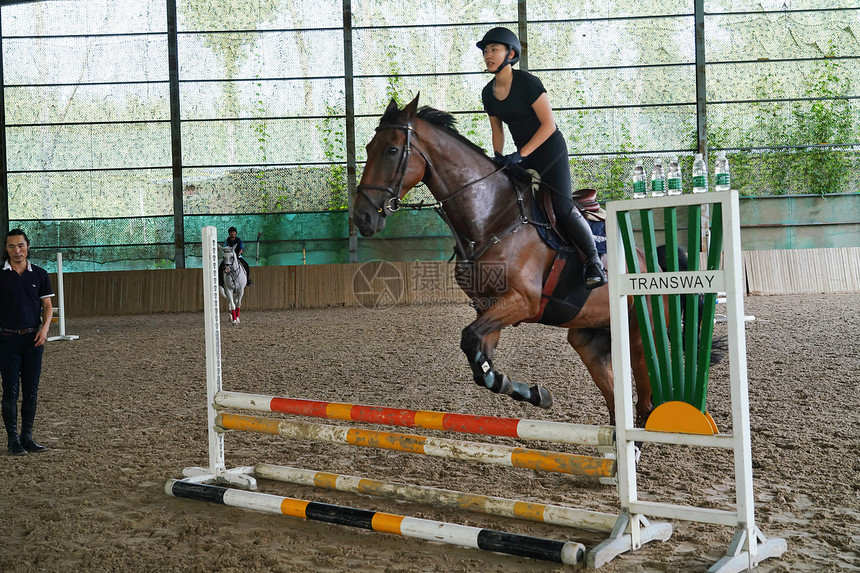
<point>749,546</point>
<point>61,305</point>
<point>217,471</point>
<point>205,483</point>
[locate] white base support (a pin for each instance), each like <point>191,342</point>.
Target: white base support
<point>241,477</point>
<point>722,318</point>
<point>737,559</point>
<point>621,539</point>
<point>60,310</point>
<point>63,337</point>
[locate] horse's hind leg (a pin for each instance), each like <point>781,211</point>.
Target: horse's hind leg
<point>639,365</point>
<point>594,346</point>
<point>478,342</point>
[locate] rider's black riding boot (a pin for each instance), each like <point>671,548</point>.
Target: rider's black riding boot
<point>10,420</point>
<point>28,416</point>
<point>247,272</point>
<point>577,229</point>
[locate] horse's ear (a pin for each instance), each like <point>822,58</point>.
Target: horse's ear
<point>411,107</point>
<point>390,115</point>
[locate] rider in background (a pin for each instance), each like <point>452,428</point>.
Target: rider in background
<point>518,99</point>
<point>234,241</point>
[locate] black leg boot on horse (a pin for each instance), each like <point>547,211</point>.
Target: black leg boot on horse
<point>578,232</point>
<point>10,420</point>
<point>488,377</point>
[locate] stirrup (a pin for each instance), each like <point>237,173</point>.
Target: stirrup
<point>595,279</point>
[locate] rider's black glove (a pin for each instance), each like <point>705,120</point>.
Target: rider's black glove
<point>505,161</point>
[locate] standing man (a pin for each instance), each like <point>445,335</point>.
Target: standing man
<point>25,317</point>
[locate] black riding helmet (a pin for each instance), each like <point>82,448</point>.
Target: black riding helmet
<point>503,36</point>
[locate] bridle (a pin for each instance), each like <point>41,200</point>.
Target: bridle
<point>393,191</point>
<point>393,203</point>
<point>234,268</point>
<point>468,250</point>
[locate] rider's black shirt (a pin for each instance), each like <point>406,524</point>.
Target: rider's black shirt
<point>516,110</point>
<point>22,296</point>
<point>236,243</point>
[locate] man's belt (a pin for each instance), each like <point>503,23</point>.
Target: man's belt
<point>18,330</point>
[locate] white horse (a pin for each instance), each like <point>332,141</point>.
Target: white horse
<point>234,279</point>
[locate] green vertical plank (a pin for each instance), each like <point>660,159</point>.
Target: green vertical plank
<point>640,306</point>
<point>676,356</point>
<point>706,339</point>
<point>625,227</point>
<point>691,314</point>
<point>661,337</point>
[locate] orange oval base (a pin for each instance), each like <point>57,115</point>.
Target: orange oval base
<point>681,418</point>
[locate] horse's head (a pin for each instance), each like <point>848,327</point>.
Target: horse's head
<point>228,254</point>
<point>392,168</point>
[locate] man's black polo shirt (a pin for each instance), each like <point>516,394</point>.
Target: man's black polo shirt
<point>21,296</point>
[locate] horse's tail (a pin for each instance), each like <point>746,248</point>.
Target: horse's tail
<point>682,258</point>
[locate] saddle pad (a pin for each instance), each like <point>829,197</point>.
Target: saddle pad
<point>564,293</point>
<point>551,238</point>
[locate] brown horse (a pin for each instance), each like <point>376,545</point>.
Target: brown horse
<point>502,262</point>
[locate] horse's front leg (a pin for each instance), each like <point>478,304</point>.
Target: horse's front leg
<point>231,305</point>
<point>239,296</point>
<point>478,342</point>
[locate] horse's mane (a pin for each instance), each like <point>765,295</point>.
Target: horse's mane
<point>438,118</point>
<point>448,122</point>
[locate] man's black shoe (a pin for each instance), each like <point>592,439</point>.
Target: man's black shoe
<point>15,447</point>
<point>30,445</point>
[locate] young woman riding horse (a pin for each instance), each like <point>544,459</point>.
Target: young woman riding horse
<point>502,261</point>
<point>518,99</point>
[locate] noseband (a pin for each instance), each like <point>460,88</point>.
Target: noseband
<point>393,192</point>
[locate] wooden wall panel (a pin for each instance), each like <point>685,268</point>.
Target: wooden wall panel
<point>774,272</point>
<point>303,286</point>
<point>803,271</point>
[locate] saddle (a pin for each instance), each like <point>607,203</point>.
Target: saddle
<point>584,199</point>
<point>564,293</point>
<point>543,214</point>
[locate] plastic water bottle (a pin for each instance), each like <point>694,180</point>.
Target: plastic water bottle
<point>673,176</point>
<point>639,185</point>
<point>658,179</point>
<point>722,179</point>
<point>700,174</point>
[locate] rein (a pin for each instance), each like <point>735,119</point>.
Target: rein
<point>394,204</point>
<point>466,251</point>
